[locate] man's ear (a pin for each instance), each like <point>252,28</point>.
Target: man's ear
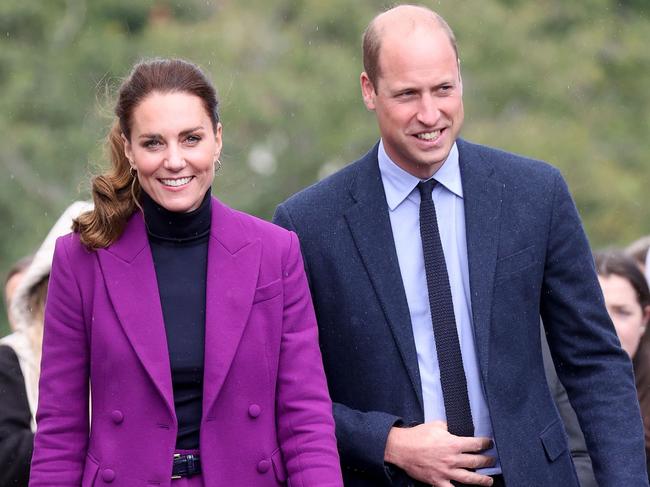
<point>367,91</point>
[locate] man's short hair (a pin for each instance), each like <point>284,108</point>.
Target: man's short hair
<point>372,43</point>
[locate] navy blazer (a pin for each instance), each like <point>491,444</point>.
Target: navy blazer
<point>528,256</point>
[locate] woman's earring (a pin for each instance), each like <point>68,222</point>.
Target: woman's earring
<point>134,178</point>
<point>218,163</point>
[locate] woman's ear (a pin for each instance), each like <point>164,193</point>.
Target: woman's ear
<point>128,150</point>
<point>218,140</point>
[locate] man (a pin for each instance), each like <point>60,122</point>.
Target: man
<point>429,300</point>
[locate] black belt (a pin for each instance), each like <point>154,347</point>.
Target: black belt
<point>186,465</point>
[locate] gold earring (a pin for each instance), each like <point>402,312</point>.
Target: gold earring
<point>218,163</point>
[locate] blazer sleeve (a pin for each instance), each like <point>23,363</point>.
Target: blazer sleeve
<point>305,423</point>
<point>361,435</point>
<point>16,437</point>
<point>596,372</point>
<point>577,445</point>
<point>62,418</point>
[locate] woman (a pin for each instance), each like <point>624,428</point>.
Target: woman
<point>628,302</point>
<point>191,322</point>
<point>20,353</point>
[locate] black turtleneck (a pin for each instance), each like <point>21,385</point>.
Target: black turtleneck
<point>179,244</point>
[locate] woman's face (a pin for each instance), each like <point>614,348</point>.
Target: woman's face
<point>624,309</point>
<point>173,147</point>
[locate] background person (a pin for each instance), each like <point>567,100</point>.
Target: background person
<point>627,298</point>
<point>12,279</point>
<point>20,354</point>
<point>638,250</point>
<point>191,322</point>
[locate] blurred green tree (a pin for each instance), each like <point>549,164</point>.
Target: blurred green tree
<point>561,81</point>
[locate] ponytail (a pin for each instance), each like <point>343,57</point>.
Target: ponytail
<point>115,195</point>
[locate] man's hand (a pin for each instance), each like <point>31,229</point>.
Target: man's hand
<point>429,453</point>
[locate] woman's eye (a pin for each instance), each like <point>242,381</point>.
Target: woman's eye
<point>193,139</point>
<point>152,143</point>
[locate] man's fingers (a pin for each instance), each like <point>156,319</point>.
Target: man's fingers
<point>474,461</point>
<point>442,484</point>
<point>471,478</point>
<point>469,445</point>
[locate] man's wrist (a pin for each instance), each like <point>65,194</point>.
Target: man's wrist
<point>393,446</point>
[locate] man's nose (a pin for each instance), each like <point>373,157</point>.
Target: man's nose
<point>428,111</point>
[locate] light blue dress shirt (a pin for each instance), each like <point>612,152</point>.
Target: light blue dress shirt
<point>404,209</point>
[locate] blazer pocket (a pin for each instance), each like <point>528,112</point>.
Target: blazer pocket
<point>278,466</point>
<point>268,291</point>
<point>554,440</point>
<point>90,472</point>
<point>515,262</point>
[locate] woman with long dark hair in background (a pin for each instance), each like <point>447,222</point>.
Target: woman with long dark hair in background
<point>628,302</point>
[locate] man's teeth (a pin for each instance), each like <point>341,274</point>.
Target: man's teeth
<point>176,182</point>
<point>429,135</point>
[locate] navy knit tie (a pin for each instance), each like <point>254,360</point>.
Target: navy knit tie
<point>452,374</point>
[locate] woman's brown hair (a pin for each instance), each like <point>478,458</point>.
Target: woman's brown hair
<point>116,191</point>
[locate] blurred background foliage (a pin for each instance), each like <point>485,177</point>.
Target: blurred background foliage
<point>567,82</point>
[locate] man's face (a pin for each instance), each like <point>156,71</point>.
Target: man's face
<point>418,98</point>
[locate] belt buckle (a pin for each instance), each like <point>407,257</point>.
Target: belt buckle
<point>174,477</point>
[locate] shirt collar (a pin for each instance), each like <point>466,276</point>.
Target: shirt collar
<point>399,184</point>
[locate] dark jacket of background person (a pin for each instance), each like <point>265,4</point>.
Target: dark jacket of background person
<point>20,359</point>
<point>16,436</point>
<point>641,363</point>
<point>577,445</point>
<point>528,256</point>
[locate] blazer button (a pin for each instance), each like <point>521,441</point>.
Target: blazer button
<point>117,416</point>
<point>254,410</point>
<point>108,475</point>
<point>263,466</point>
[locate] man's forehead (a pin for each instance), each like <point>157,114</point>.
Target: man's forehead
<point>401,42</point>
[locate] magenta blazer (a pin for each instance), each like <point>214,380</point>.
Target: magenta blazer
<point>267,416</point>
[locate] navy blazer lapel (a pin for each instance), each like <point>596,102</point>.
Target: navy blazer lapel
<point>482,195</point>
<point>130,278</point>
<point>371,230</point>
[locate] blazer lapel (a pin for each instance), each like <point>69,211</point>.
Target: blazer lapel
<point>130,277</point>
<point>482,197</point>
<point>233,267</point>
<point>371,230</point>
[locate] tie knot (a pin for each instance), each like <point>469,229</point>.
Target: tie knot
<point>426,188</point>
